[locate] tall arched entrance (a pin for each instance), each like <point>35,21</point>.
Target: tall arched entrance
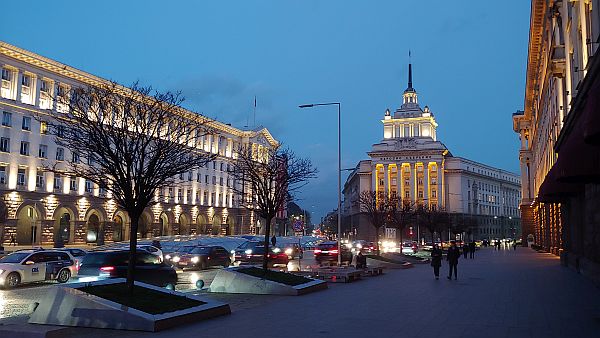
<point>27,226</point>
<point>63,226</point>
<point>216,225</point>
<point>202,225</point>
<point>93,229</point>
<point>118,228</point>
<point>184,224</point>
<point>165,229</point>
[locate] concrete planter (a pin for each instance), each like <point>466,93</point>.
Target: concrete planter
<point>231,281</point>
<point>65,305</point>
<point>388,265</point>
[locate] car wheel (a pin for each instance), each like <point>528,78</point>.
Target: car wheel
<point>63,276</point>
<point>12,280</point>
<point>227,263</point>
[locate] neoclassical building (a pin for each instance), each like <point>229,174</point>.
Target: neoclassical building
<point>559,129</point>
<point>39,206</point>
<point>412,163</point>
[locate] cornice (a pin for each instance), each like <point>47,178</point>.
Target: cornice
<point>538,10</point>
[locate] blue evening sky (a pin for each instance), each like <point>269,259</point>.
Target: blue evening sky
<point>469,62</point>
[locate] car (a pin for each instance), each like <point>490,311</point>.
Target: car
<point>148,248</point>
<point>113,264</point>
<point>293,250</point>
<point>78,254</point>
<point>328,251</point>
<point>203,257</point>
<point>253,252</point>
<point>408,248</point>
<point>27,266</point>
<point>174,257</point>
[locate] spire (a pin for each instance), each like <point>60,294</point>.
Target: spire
<point>409,75</point>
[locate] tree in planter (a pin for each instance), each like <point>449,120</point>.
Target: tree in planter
<point>401,214</point>
<point>267,181</point>
<point>376,206</point>
<point>131,142</point>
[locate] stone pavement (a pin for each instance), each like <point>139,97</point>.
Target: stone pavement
<point>498,294</point>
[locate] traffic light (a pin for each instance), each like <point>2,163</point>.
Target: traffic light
<point>410,231</point>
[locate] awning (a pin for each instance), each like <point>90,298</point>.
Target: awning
<point>578,161</point>
<point>591,114</point>
<point>552,190</point>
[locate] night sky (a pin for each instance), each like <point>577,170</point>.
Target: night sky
<point>469,62</point>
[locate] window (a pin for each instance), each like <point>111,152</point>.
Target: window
<point>206,179</point>
<point>39,180</point>
<point>60,131</point>
<point>57,182</point>
<point>43,152</point>
<point>181,176</point>
<point>433,194</point>
<point>45,96</point>
<point>420,193</point>
<point>21,177</point>
<point>212,198</point>
<point>6,119</point>
<point>214,165</point>
<point>214,180</point>
<point>5,74</point>
<point>198,176</point>
<point>4,144</point>
<point>2,174</point>
<point>180,194</point>
<point>190,176</point>
<point>26,125</point>
<point>221,181</point>
<point>89,186</point>
<point>24,148</point>
<point>75,158</point>
<point>222,166</point>
<point>205,200</point>
<point>73,184</point>
<point>60,154</point>
<point>189,195</point>
<point>26,80</point>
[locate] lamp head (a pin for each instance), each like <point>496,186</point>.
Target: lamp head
<point>306,105</point>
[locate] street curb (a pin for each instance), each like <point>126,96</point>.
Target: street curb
<point>31,331</point>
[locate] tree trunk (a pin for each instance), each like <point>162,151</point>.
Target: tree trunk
<point>266,253</point>
<point>376,241</point>
<point>135,218</point>
<point>401,241</point>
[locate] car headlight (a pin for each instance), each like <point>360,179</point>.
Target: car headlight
<point>168,257</point>
<point>276,250</point>
<point>359,246</point>
<point>248,251</point>
<point>232,252</point>
<point>176,259</point>
<point>195,259</point>
<point>288,251</point>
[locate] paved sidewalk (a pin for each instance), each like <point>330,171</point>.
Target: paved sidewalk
<point>498,294</point>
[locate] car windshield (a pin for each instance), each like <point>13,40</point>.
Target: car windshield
<point>248,245</point>
<point>14,257</point>
<point>201,250</point>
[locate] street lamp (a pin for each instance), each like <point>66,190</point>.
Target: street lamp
<point>339,208</point>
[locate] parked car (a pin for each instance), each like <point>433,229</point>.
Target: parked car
<point>409,247</point>
<point>253,253</point>
<point>27,266</point>
<point>203,257</point>
<point>328,252</point>
<point>113,264</point>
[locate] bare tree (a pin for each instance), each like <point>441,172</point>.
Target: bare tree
<point>267,181</point>
<point>376,206</point>
<point>130,142</point>
<point>432,218</point>
<point>401,214</point>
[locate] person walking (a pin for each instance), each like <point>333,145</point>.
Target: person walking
<point>273,240</point>
<point>514,245</point>
<point>452,258</point>
<point>472,249</point>
<point>465,249</point>
<point>13,240</point>
<point>436,260</point>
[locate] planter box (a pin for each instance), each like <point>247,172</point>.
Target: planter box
<point>231,281</point>
<point>66,305</point>
<point>388,265</point>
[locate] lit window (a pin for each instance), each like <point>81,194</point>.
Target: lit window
<point>43,127</point>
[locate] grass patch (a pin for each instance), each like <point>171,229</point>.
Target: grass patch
<point>143,299</point>
<point>275,276</point>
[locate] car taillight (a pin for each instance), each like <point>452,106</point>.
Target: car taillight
<point>317,251</point>
<point>107,268</point>
<point>334,251</point>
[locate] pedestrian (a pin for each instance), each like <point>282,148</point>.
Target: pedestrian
<point>436,260</point>
<point>498,244</point>
<point>361,260</point>
<point>13,240</point>
<point>452,258</point>
<point>273,240</point>
<point>465,249</point>
<point>472,249</point>
<point>514,245</point>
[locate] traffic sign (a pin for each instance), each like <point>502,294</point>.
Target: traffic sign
<point>298,225</point>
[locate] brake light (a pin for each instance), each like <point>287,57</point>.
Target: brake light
<point>107,268</point>
<point>317,251</point>
<point>334,251</point>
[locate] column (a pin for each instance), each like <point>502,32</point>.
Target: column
<point>55,95</point>
<point>413,180</point>
<point>18,85</point>
<point>38,85</point>
<point>426,194</point>
<point>386,181</point>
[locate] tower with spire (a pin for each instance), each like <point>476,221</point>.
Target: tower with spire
<point>409,120</point>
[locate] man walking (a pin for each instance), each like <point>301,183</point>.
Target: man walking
<point>452,258</point>
<point>472,249</point>
<point>436,260</point>
<point>465,249</point>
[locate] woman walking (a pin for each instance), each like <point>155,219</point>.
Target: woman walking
<point>436,260</point>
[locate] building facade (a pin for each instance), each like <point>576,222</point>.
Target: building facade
<point>410,162</point>
<point>559,130</point>
<point>40,206</point>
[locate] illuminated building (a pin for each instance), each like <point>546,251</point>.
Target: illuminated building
<point>410,162</point>
<point>42,205</point>
<point>559,130</point>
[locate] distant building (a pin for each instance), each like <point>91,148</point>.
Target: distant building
<point>559,130</point>
<point>41,206</point>
<point>411,163</point>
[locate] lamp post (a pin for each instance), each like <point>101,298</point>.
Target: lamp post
<point>339,207</point>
